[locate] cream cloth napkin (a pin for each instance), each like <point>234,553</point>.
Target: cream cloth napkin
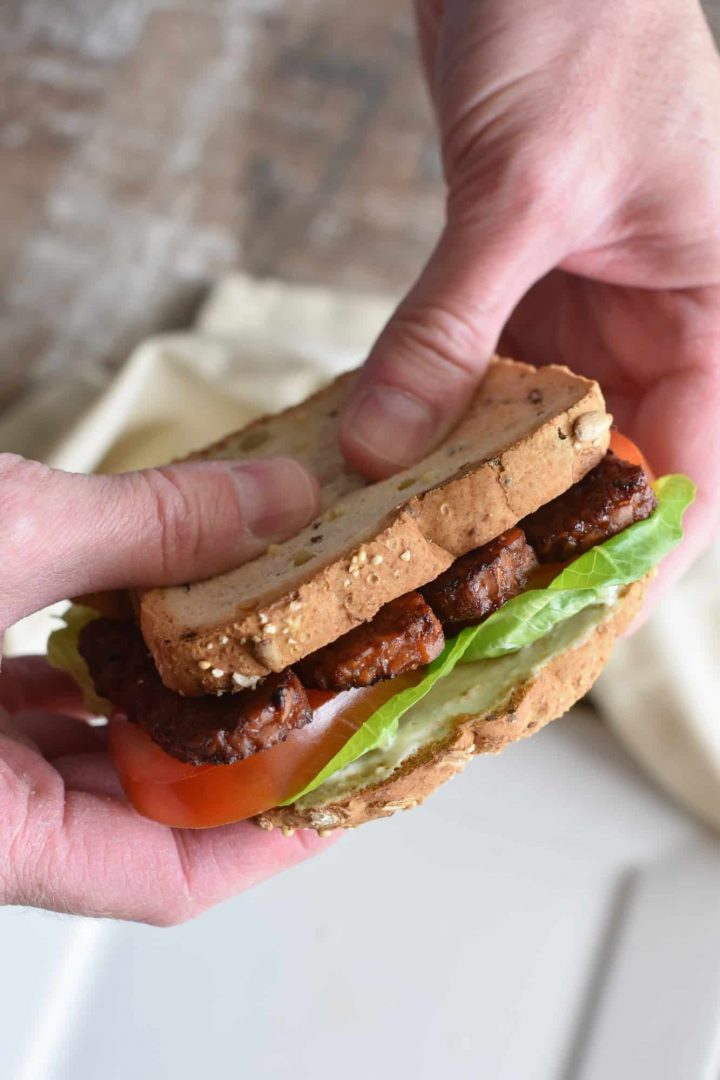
<point>260,346</point>
<point>257,346</point>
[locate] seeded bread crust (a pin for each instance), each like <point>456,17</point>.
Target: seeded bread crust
<point>528,435</point>
<point>532,704</point>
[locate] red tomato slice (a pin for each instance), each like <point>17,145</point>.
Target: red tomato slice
<point>202,796</point>
<point>627,450</point>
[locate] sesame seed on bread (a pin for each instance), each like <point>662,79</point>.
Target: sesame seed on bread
<point>516,448</point>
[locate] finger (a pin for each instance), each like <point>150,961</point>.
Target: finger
<point>70,842</point>
<point>656,354</point>
<point>93,773</point>
<point>89,853</point>
<point>63,534</point>
<point>55,735</point>
<point>433,352</point>
<point>218,863</point>
<point>28,682</point>
<point>676,426</point>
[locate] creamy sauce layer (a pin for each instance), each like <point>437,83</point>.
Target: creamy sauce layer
<point>477,688</point>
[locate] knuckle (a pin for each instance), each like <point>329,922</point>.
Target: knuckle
<point>10,464</point>
<point>531,181</point>
<point>19,481</point>
<point>21,526</point>
<point>181,905</point>
<point>518,188</point>
<point>174,509</point>
<point>14,801</point>
<point>450,337</point>
<point>24,839</point>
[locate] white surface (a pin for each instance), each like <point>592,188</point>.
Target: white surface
<point>660,691</point>
<point>465,939</point>
<point>669,939</point>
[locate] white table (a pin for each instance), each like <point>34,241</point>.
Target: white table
<point>548,916</point>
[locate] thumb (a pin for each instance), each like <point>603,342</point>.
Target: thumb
<point>64,534</point>
<point>422,371</point>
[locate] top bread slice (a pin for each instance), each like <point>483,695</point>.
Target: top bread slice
<point>527,436</point>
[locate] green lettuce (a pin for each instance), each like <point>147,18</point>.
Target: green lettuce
<point>590,579</point>
<point>618,561</point>
<point>62,651</point>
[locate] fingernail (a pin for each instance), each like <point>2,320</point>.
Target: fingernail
<point>278,495</point>
<point>391,424</point>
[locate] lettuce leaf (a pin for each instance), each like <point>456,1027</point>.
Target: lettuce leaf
<point>590,579</point>
<point>63,653</point>
<point>618,561</point>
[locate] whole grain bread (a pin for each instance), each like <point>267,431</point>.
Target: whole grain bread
<point>544,696</point>
<point>528,435</point>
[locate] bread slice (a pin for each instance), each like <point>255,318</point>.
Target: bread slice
<point>528,435</point>
<point>554,683</point>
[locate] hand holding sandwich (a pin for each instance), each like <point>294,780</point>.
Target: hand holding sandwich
<point>581,149</point>
<point>580,144</point>
<point>68,839</point>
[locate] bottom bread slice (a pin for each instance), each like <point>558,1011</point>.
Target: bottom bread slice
<point>478,709</point>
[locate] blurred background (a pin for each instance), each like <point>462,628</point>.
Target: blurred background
<point>147,147</point>
<point>552,915</point>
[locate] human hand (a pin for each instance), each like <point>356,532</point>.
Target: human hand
<point>581,150</point>
<point>69,841</point>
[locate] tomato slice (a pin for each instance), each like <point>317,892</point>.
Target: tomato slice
<point>202,796</point>
<point>627,450</point>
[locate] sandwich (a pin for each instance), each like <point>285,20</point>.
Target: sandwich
<point>444,612</point>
